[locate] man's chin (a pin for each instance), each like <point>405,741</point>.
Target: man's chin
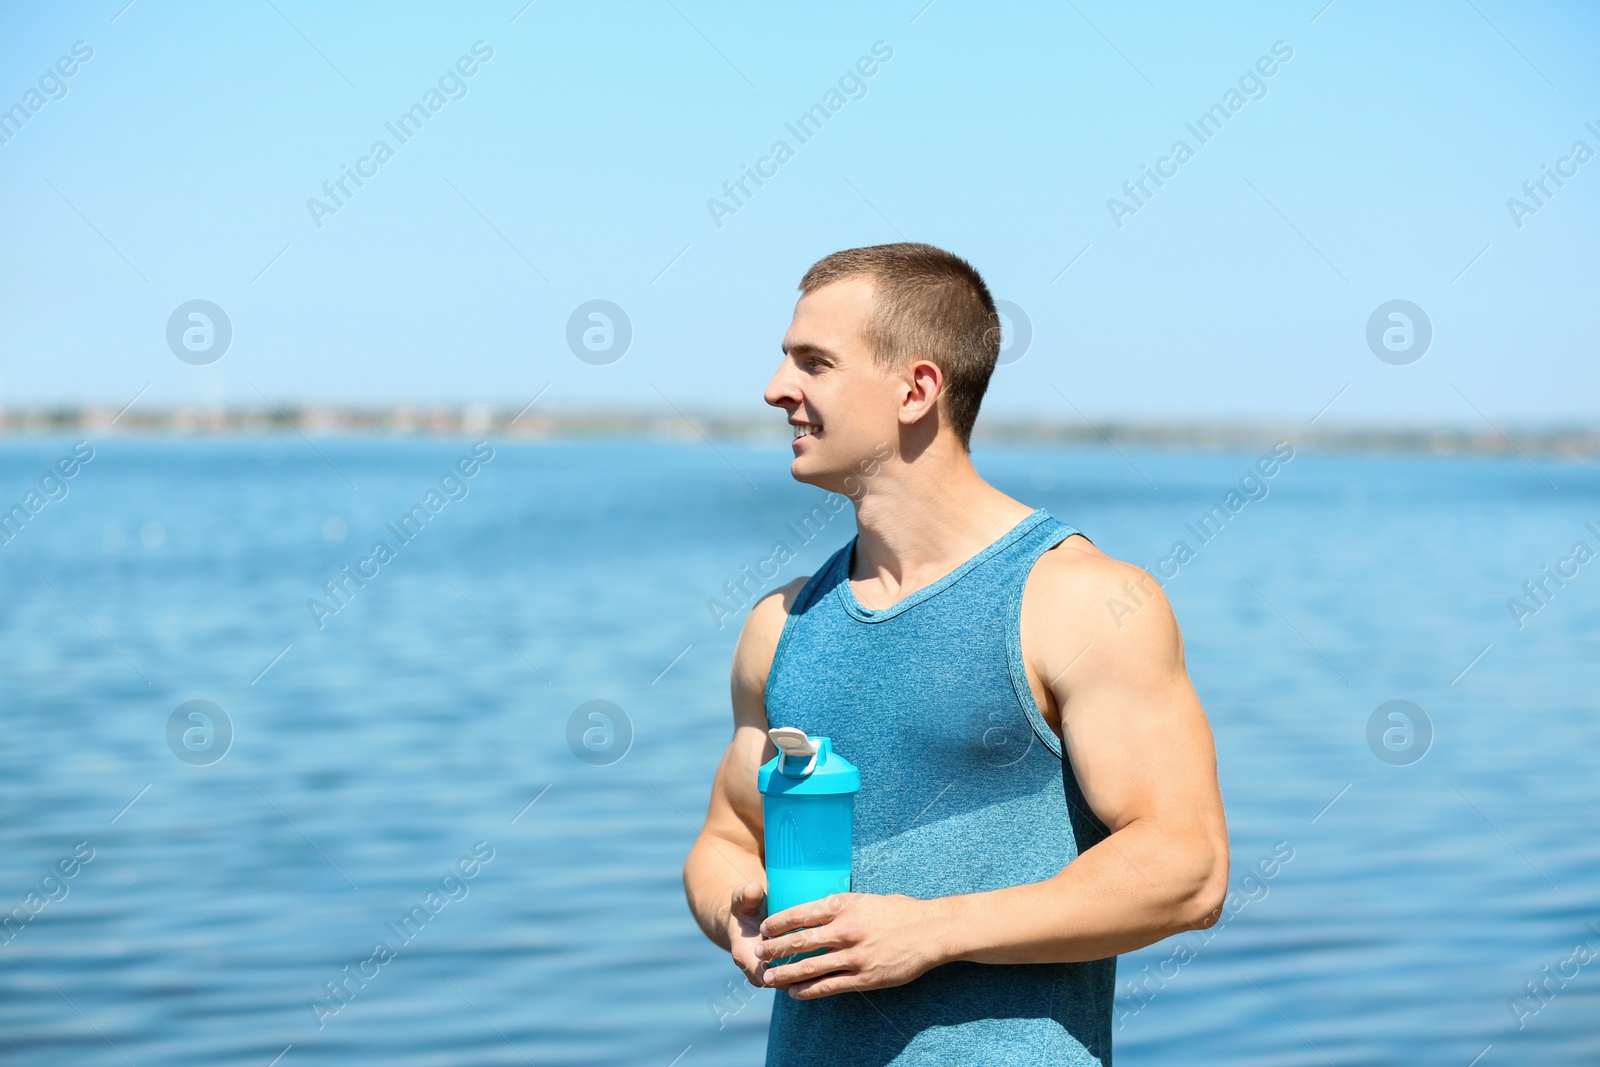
<point>800,469</point>
<point>803,469</point>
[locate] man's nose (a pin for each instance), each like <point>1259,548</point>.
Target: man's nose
<point>781,388</point>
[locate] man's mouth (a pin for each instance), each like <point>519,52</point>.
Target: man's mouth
<point>805,429</point>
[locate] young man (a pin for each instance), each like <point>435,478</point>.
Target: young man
<point>1039,786</point>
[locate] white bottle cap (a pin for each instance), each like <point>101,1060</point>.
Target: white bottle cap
<point>791,741</point>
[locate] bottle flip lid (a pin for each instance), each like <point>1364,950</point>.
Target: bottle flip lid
<point>806,766</point>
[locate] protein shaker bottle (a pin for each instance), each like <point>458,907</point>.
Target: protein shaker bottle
<point>808,808</point>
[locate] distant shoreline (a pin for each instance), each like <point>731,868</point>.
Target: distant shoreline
<point>1578,442</point>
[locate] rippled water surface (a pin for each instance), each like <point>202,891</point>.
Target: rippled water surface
<point>376,759</point>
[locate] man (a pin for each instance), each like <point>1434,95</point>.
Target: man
<point>1039,786</point>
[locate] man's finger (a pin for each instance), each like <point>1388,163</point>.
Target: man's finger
<point>748,897</point>
<point>825,987</point>
<point>815,913</point>
<point>803,970</point>
<point>776,948</point>
<point>755,974</point>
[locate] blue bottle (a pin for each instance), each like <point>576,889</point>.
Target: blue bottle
<point>808,811</point>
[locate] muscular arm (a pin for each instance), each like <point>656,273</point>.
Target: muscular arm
<point>1144,756</point>
<point>728,852</point>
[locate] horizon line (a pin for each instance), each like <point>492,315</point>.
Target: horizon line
<point>438,420</point>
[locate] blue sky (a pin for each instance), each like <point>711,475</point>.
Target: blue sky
<point>578,162</point>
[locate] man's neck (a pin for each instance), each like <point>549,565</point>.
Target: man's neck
<point>921,520</point>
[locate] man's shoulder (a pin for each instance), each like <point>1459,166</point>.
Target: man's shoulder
<point>774,607</point>
<point>1075,565</point>
<point>1078,582</point>
<point>763,626</point>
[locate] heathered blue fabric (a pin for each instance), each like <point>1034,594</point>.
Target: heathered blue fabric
<point>964,788</point>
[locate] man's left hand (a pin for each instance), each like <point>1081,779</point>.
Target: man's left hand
<point>872,942</point>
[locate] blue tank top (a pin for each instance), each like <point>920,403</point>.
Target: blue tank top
<point>964,788</point>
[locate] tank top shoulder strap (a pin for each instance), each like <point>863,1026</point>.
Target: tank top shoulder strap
<point>805,601</point>
<point>1042,532</point>
<point>1049,533</point>
<point>821,581</point>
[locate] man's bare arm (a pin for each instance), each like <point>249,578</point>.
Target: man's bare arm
<point>728,853</point>
<point>1145,758</point>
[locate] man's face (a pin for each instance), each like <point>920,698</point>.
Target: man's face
<point>828,381</point>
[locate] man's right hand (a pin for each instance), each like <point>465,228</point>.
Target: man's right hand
<point>749,907</point>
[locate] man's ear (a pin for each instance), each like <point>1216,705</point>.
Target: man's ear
<point>924,382</point>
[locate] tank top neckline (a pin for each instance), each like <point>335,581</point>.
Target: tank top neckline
<point>853,607</point>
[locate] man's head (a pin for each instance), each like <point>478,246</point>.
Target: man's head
<point>885,338</point>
